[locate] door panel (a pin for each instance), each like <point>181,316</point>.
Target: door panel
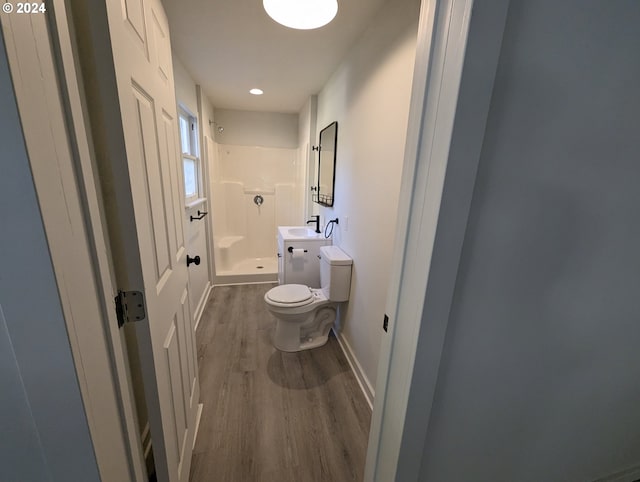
<point>153,182</point>
<point>133,14</point>
<point>163,51</point>
<point>153,258</point>
<point>190,368</point>
<point>184,344</point>
<point>179,418</point>
<point>167,149</point>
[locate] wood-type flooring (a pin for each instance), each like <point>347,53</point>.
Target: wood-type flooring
<point>270,416</point>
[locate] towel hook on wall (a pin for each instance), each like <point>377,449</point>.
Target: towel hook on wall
<point>201,214</point>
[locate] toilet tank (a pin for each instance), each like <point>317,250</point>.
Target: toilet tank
<point>335,273</point>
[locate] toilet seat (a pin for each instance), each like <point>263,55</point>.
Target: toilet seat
<point>289,296</point>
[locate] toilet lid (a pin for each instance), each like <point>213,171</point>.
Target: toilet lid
<point>290,295</point>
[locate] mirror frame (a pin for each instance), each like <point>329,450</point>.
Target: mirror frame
<point>326,199</point>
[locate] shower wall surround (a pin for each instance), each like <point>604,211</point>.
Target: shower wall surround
<point>245,232</point>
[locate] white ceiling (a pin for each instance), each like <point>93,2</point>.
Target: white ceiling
<point>231,46</point>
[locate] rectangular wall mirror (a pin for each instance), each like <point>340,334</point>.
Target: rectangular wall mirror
<point>327,164</point>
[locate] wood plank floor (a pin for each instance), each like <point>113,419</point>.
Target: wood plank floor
<point>272,416</point>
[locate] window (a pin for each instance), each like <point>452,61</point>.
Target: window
<point>190,161</point>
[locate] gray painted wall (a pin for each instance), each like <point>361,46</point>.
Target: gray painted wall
<point>185,88</point>
<point>21,454</point>
<point>44,434</point>
<point>368,95</point>
<point>540,376</point>
<point>250,128</point>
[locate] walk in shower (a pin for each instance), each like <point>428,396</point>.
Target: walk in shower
<point>255,189</point>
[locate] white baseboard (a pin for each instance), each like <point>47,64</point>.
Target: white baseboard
<point>202,303</point>
<point>356,368</point>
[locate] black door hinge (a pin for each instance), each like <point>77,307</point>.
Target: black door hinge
<point>385,322</point>
<point>129,307</point>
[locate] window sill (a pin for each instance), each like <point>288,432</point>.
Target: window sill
<point>196,202</point>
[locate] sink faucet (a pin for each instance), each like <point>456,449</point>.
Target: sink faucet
<point>315,220</point>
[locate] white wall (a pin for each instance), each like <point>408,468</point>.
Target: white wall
<point>306,140</point>
<point>206,114</point>
<point>369,97</point>
<point>185,87</point>
<point>264,129</point>
<point>189,96</point>
<point>540,368</point>
<point>258,168</point>
<point>208,156</point>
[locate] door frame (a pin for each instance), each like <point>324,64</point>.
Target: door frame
<point>42,60</point>
<point>442,76</point>
<point>459,44</point>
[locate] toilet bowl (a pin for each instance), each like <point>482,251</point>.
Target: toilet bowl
<point>305,315</point>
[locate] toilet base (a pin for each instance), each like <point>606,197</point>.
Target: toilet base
<point>310,333</point>
<point>307,345</point>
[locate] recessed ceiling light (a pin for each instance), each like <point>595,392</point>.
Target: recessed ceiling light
<point>301,14</point>
<point>256,91</point>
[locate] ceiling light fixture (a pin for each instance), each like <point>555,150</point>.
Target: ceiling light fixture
<point>256,91</point>
<point>301,14</point>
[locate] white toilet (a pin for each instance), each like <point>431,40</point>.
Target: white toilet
<point>305,315</point>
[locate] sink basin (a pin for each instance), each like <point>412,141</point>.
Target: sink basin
<point>298,233</point>
<point>302,232</point>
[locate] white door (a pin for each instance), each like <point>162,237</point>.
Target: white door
<point>147,231</point>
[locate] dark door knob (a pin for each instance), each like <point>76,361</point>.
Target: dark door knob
<point>195,260</point>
